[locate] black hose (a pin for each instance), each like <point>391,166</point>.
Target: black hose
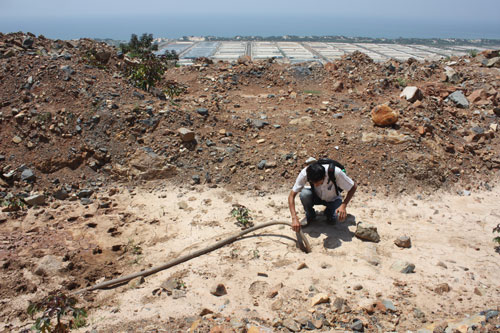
<point>301,239</point>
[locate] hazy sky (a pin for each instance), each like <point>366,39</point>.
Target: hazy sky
<point>482,15</point>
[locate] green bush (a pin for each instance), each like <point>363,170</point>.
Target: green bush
<point>146,73</point>
<point>242,215</point>
<point>147,69</point>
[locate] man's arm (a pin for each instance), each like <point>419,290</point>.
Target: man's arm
<point>291,206</point>
<point>341,211</point>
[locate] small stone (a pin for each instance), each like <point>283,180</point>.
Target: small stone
<point>451,75</point>
<point>459,99</point>
<point>48,266</point>
<point>27,175</point>
<point>338,304</point>
<point>319,299</point>
<point>358,287</point>
<point>274,291</point>
<point>403,267</point>
<point>202,111</point>
<point>16,139</point>
<point>411,94</point>
<point>183,205</point>
<point>302,266</point>
<point>35,200</point>
<point>310,160</point>
<point>185,134</point>
<point>442,288</point>
<point>61,194</point>
<point>403,241</point>
<point>218,290</point>
<point>389,305</point>
<point>135,283</point>
<point>357,325</point>
<point>276,305</point>
<point>205,311</point>
<point>291,325</point>
<point>262,164</point>
<point>85,193</point>
<point>442,264</point>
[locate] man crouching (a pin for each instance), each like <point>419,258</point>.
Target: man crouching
<point>326,180</point>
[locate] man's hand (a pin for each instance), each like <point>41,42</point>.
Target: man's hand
<point>341,212</point>
<point>295,224</point>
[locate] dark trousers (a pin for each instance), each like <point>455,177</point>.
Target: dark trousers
<point>309,199</point>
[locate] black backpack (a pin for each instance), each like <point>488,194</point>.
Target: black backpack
<point>331,171</point>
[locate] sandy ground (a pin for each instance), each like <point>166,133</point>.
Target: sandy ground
<point>451,243</point>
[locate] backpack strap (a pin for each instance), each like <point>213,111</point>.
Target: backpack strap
<point>331,177</point>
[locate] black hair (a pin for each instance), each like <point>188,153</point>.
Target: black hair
<point>315,172</point>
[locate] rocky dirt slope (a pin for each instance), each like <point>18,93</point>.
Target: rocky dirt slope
<point>73,128</point>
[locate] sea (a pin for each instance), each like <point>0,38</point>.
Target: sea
<point>172,26</point>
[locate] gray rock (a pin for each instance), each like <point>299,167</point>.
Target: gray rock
<point>338,115</point>
<point>35,200</point>
<point>477,130</point>
<point>2,158</point>
<point>403,267</point>
<point>291,325</point>
<point>202,111</point>
<point>403,241</point>
<point>138,95</point>
<point>68,70</point>
<point>86,201</point>
<point>85,193</point>
<point>48,266</point>
<point>61,194</point>
<point>28,42</point>
<point>262,164</point>
<point>259,124</point>
<point>489,314</point>
<point>389,305</point>
<point>27,175</point>
<point>459,99</point>
<point>367,232</point>
<point>196,179</point>
<point>357,325</point>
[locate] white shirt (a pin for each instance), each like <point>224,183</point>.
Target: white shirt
<point>326,191</point>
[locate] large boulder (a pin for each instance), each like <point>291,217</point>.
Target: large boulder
<point>383,115</point>
<point>367,232</point>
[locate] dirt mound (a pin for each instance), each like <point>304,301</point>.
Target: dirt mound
<point>73,129</point>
